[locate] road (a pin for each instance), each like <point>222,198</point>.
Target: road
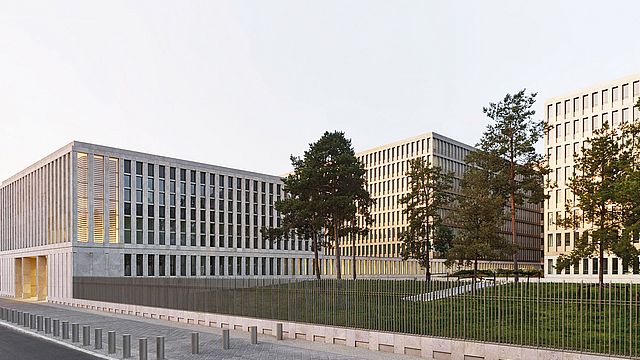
<point>18,346</point>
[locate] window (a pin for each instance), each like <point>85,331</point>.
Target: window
<point>615,94</point>
<point>127,264</point>
<point>594,266</point>
<point>151,265</point>
<point>594,99</point>
<point>193,265</point>
<point>625,91</point>
<point>139,265</point>
<point>183,265</point>
<point>161,265</point>
<point>172,265</point>
<point>605,97</point>
<point>636,88</point>
<point>625,116</point>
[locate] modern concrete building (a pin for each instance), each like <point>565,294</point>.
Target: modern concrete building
<point>572,119</point>
<point>386,165</point>
<point>91,212</point>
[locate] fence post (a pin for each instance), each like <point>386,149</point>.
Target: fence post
<point>75,332</point>
<point>56,327</point>
<point>225,339</point>
<point>279,331</point>
<point>160,347</point>
<point>195,343</point>
<point>142,349</point>
<point>254,334</point>
<point>97,341</point>
<point>65,330</point>
<point>111,342</point>
<point>126,346</point>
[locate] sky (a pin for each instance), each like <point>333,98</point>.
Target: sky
<point>246,84</point>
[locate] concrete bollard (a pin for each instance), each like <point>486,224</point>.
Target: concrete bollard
<point>86,335</point>
<point>97,341</point>
<point>65,330</point>
<point>254,334</point>
<point>126,346</point>
<point>142,349</point>
<point>47,325</point>
<point>40,322</point>
<point>14,316</point>
<point>195,343</point>
<point>56,327</point>
<point>20,317</point>
<point>32,321</point>
<point>160,347</point>
<point>111,342</point>
<point>1,313</point>
<point>279,331</point>
<point>75,332</point>
<point>225,339</point>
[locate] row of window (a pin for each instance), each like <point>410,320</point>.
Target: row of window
<point>586,102</point>
<point>583,268</point>
<point>202,265</point>
<point>578,128</point>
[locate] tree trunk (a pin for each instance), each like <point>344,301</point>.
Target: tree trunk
<point>475,275</point>
<point>353,256</point>
<point>337,241</point>
<point>512,195</point>
<point>316,260</point>
<point>427,266</point>
<point>513,236</point>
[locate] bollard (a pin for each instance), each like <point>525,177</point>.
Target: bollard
<point>225,339</point>
<point>65,330</point>
<point>14,316</point>
<point>97,341</point>
<point>20,317</point>
<point>160,347</point>
<point>195,343</point>
<point>86,335</point>
<point>75,332</point>
<point>126,346</point>
<point>40,322</point>
<point>254,334</point>
<point>142,349</point>
<point>47,325</point>
<point>1,313</point>
<point>32,321</point>
<point>56,327</point>
<point>111,342</point>
<point>279,331</point>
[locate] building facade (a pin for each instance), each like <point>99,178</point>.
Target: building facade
<point>572,118</point>
<point>386,166</point>
<point>90,211</point>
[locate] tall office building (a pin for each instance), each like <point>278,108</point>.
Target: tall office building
<point>572,118</point>
<point>88,212</point>
<point>386,165</point>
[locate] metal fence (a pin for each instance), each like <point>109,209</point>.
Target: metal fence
<point>568,316</point>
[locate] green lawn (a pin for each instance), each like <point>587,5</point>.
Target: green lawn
<point>564,316</point>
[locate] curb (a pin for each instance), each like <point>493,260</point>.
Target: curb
<point>56,341</point>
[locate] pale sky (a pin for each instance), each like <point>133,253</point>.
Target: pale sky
<point>244,84</point>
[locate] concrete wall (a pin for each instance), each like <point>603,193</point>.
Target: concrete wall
<point>422,346</point>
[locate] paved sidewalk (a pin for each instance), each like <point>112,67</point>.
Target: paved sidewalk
<point>178,337</point>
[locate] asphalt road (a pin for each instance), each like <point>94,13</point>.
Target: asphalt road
<point>18,346</point>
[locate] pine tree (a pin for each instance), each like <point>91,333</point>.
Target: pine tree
<point>429,192</point>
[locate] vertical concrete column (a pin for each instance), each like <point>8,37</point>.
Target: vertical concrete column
<point>65,330</point>
<point>160,347</point>
<point>56,327</point>
<point>279,331</point>
<point>41,277</point>
<point>142,349</point>
<point>98,339</point>
<point>75,332</point>
<point>86,335</point>
<point>195,343</point>
<point>225,339</point>
<point>47,325</point>
<point>111,342</point>
<point>126,346</point>
<point>18,278</point>
<point>254,334</point>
